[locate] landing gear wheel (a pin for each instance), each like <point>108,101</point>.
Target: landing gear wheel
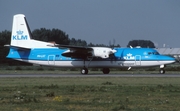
<point>161,71</point>
<point>84,71</point>
<point>105,70</point>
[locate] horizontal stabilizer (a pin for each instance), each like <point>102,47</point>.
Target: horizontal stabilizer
<point>16,47</point>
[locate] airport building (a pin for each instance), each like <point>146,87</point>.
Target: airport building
<point>175,52</point>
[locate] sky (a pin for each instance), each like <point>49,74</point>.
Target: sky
<point>101,21</point>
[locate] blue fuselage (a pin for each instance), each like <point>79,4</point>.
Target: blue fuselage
<point>126,57</point>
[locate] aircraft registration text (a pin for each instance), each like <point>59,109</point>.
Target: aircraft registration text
<point>126,64</point>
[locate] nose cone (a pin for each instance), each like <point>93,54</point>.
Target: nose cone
<point>166,59</point>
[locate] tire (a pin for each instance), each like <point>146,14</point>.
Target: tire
<point>161,71</point>
<point>84,71</point>
<point>105,70</point>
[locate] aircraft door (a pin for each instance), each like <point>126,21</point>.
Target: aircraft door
<point>51,59</point>
<point>138,60</point>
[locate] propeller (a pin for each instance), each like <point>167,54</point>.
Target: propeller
<point>112,45</point>
<point>111,55</point>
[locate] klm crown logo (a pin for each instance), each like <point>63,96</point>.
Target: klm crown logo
<point>19,32</point>
<point>19,36</point>
<point>129,57</point>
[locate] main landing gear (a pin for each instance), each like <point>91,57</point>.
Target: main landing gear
<point>84,70</point>
<point>104,70</point>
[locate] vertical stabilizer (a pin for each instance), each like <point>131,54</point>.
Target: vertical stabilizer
<point>21,34</point>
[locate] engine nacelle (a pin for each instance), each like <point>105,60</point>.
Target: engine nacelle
<point>102,52</point>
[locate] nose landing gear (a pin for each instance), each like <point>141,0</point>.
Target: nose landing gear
<point>162,71</point>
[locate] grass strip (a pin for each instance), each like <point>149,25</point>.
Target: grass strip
<point>89,94</point>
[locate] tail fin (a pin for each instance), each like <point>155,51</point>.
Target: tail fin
<point>21,36</point>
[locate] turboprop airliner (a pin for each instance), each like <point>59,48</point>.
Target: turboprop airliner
<point>24,48</point>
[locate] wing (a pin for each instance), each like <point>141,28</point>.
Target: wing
<point>84,52</point>
<point>76,51</point>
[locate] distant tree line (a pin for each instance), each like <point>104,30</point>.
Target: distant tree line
<point>59,37</point>
<point>141,43</point>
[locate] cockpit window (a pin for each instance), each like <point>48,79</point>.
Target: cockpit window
<point>156,53</point>
<point>153,53</point>
<point>149,53</point>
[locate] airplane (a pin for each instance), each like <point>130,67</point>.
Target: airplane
<point>24,48</point>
